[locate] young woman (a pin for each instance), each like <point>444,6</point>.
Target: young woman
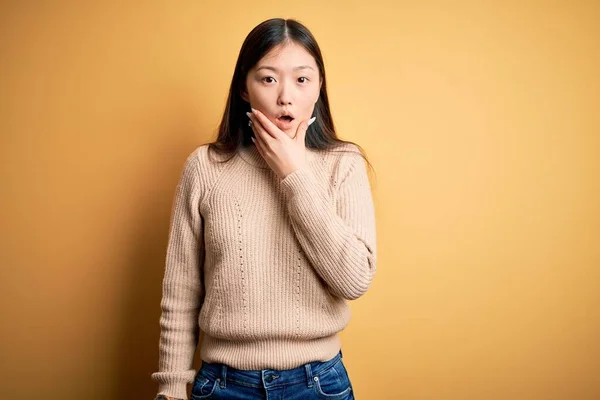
<point>272,232</point>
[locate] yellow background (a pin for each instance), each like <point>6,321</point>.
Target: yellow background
<point>481,119</point>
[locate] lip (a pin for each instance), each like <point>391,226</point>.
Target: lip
<point>285,113</point>
<point>284,124</point>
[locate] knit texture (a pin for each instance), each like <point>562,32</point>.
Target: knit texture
<point>263,266</point>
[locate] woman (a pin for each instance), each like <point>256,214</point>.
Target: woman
<point>272,231</point>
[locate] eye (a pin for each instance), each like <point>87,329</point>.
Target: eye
<point>304,77</point>
<point>267,77</point>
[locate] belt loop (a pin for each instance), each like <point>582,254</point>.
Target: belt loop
<point>223,376</point>
<point>309,376</point>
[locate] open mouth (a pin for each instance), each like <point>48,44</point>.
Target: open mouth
<point>285,122</point>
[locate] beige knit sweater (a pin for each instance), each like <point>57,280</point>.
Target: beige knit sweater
<point>263,266</point>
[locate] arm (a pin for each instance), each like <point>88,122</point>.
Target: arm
<point>339,240</point>
<point>182,287</point>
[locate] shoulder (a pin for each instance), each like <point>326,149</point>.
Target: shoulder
<point>343,152</point>
<point>206,160</point>
<point>336,163</point>
<point>340,160</point>
<point>205,165</point>
<point>200,155</point>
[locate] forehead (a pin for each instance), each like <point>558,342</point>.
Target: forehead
<point>287,56</point>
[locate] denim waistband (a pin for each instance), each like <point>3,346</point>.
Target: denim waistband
<point>267,377</point>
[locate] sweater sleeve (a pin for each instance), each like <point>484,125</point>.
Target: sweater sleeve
<point>339,238</point>
<point>182,287</point>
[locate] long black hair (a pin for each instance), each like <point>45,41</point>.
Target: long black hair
<point>234,131</point>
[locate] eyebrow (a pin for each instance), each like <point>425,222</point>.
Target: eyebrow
<point>295,68</point>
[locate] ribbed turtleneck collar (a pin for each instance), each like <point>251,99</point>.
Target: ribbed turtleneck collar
<point>251,155</point>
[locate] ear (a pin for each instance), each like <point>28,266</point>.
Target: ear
<point>244,96</point>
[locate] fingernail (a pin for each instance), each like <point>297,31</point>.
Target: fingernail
<point>250,123</point>
<point>248,114</point>
<point>253,110</point>
<point>310,121</point>
<point>253,140</point>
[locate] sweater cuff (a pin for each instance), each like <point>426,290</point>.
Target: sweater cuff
<point>177,390</point>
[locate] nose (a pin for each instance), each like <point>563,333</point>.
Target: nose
<point>285,94</point>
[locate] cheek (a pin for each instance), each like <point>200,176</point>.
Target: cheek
<point>310,99</point>
<point>259,96</point>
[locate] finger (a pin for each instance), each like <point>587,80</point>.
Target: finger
<point>259,145</point>
<point>269,126</point>
<point>259,130</point>
<point>256,138</point>
<point>301,131</point>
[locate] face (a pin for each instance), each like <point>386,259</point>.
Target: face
<point>286,79</point>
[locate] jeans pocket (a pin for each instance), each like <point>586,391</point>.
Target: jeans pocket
<point>204,386</point>
<point>333,383</point>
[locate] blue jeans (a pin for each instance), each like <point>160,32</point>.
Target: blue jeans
<point>315,380</point>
